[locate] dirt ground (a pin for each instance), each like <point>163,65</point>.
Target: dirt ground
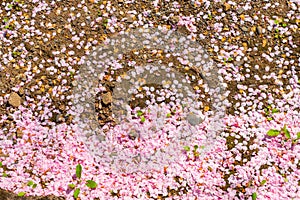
<point>252,36</point>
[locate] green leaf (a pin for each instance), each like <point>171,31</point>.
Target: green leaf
<point>263,182</point>
<point>196,147</point>
<point>4,174</point>
<point>143,119</point>
<point>269,118</point>
<point>34,186</point>
<point>30,183</point>
<point>276,21</point>
<point>91,184</point>
<point>273,132</point>
<point>209,16</point>
<point>139,113</point>
<point>10,6</point>
<point>230,59</point>
<point>71,73</point>
<point>5,19</point>
<point>78,171</point>
<point>1,164</point>
<point>76,193</point>
<point>298,135</point>
<point>105,22</point>
<point>275,110</point>
<point>254,196</point>
<point>21,194</point>
<point>168,114</point>
<point>286,132</point>
<point>71,185</point>
<point>284,25</point>
<point>187,148</point>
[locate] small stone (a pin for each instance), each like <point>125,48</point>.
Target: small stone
<point>2,154</point>
<point>59,118</point>
<point>74,83</point>
<point>242,17</point>
<point>226,6</point>
<point>107,98</point>
<point>174,19</point>
<point>19,133</point>
<point>62,107</point>
<point>280,72</point>
<point>38,92</point>
<point>133,134</point>
<point>193,119</point>
<point>245,45</point>
<point>259,30</point>
<point>264,42</point>
<point>240,10</point>
<point>21,91</point>
<point>244,28</point>
<point>14,99</point>
<point>130,18</point>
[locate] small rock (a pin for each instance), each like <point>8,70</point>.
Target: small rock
<point>74,83</point>
<point>107,98</point>
<point>259,30</point>
<point>253,29</point>
<point>193,119</point>
<point>38,92</point>
<point>245,45</point>
<point>264,42</point>
<point>14,99</point>
<point>59,118</point>
<point>133,134</point>
<point>244,28</point>
<point>174,19</point>
<point>240,10</point>
<point>2,154</point>
<point>19,133</point>
<point>226,6</point>
<point>62,107</point>
<point>21,91</point>
<point>130,18</point>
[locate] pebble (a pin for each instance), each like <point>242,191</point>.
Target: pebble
<point>19,133</point>
<point>240,10</point>
<point>14,99</point>
<point>130,18</point>
<point>74,83</point>
<point>193,119</point>
<point>245,45</point>
<point>259,30</point>
<point>244,28</point>
<point>133,134</point>
<point>2,154</point>
<point>226,6</point>
<point>21,91</point>
<point>107,98</point>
